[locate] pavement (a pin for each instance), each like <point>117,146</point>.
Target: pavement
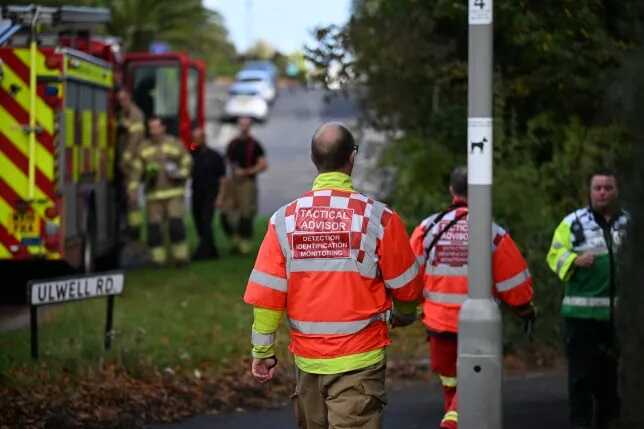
<point>534,401</point>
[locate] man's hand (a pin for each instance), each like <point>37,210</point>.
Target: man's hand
<point>263,369</point>
<point>242,172</point>
<point>585,260</point>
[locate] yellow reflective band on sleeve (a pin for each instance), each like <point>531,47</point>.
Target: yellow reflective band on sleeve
<point>266,321</point>
<point>340,364</point>
<point>165,193</point>
<point>448,381</point>
<point>263,352</point>
<point>450,416</point>
<point>136,127</point>
<point>560,256</point>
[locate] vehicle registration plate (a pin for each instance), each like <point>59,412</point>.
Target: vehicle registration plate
<point>24,224</point>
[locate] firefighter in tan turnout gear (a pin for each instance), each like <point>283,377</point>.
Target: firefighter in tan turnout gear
<point>131,132</point>
<point>163,165</point>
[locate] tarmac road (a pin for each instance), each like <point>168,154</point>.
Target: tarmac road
<point>536,401</point>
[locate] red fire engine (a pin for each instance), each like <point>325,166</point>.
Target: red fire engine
<point>58,151</point>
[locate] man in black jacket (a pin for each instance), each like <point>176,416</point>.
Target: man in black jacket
<point>208,168</point>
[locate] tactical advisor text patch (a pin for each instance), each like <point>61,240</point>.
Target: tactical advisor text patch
<point>322,232</point>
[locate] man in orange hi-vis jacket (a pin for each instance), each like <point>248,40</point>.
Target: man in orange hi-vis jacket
<point>441,244</point>
<point>333,260</point>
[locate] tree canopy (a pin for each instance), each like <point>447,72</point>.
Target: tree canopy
<point>564,73</point>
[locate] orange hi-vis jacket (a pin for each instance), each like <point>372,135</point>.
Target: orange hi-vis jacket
<point>445,268</point>
<point>333,259</point>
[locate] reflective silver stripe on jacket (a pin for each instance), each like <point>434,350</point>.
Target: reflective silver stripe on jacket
<point>280,229</point>
<point>562,260</point>
<point>258,339</point>
<point>447,270</point>
<point>370,239</point>
<point>445,298</point>
<point>404,278</point>
<point>334,328</point>
<point>420,260</point>
<point>269,280</point>
<point>302,265</point>
<point>513,282</point>
<point>583,301</point>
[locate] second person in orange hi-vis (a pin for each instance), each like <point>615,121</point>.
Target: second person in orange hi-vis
<point>333,260</point>
<point>440,243</point>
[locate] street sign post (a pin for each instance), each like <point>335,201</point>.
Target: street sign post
<point>77,288</point>
<point>479,337</point>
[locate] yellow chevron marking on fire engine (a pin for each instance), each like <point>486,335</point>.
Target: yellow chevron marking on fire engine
<point>4,253</point>
<point>41,66</point>
<point>13,131</point>
<point>5,213</point>
<point>44,114</point>
<point>19,180</point>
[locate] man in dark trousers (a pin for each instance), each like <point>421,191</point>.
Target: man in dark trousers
<point>585,256</point>
<point>208,168</point>
<point>247,159</point>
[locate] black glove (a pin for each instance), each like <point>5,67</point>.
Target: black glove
<point>399,320</point>
<point>528,313</point>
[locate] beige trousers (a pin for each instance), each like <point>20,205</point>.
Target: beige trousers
<point>354,399</point>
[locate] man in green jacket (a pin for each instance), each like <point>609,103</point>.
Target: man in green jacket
<point>583,254</point>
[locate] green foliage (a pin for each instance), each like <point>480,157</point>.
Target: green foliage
<point>563,74</point>
<point>182,319</point>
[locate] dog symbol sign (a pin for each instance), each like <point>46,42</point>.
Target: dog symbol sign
<point>479,151</point>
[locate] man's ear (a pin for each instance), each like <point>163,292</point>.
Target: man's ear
<point>352,158</point>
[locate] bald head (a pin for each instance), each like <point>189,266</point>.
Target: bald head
<point>332,148</point>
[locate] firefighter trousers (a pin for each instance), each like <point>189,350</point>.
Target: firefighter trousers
<point>354,399</point>
<point>170,211</point>
<point>443,350</point>
<point>592,372</point>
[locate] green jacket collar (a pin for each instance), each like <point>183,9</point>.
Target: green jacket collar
<point>333,180</point>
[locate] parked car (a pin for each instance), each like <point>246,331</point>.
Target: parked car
<point>241,104</point>
<point>265,66</point>
<point>254,81</point>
